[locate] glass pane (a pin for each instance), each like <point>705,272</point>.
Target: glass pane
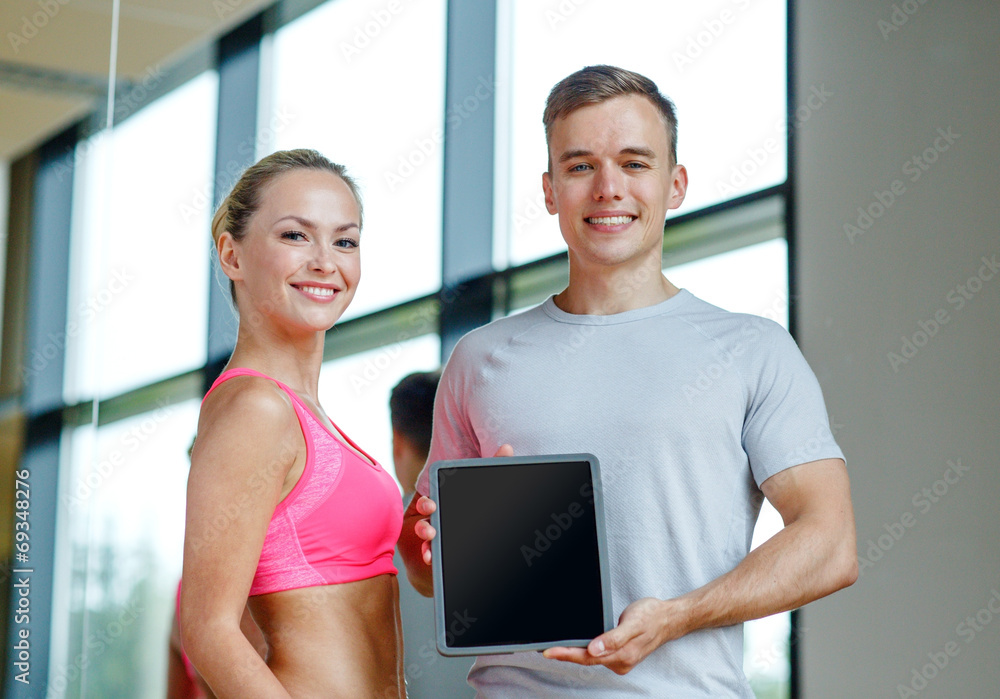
<point>355,390</point>
<point>753,279</point>
<point>139,277</point>
<point>364,85</point>
<point>119,552</point>
<point>722,62</point>
<point>4,205</point>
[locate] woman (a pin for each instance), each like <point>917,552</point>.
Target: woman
<point>285,514</point>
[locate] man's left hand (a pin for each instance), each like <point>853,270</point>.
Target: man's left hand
<point>642,628</point>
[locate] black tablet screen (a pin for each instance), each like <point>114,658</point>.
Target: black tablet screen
<point>519,554</point>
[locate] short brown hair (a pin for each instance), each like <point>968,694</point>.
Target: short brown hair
<point>595,84</point>
<point>411,408</point>
<point>239,206</point>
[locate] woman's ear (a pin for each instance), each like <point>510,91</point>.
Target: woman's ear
<point>229,258</point>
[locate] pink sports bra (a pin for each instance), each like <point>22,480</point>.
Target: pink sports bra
<point>338,524</point>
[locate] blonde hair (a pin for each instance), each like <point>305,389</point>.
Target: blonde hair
<point>239,206</point>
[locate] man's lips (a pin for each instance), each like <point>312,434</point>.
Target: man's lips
<point>610,219</point>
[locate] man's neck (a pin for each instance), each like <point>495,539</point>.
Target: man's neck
<point>613,291</point>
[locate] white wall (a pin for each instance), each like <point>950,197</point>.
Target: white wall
<point>900,426</point>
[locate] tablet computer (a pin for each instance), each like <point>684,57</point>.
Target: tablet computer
<point>520,556</point>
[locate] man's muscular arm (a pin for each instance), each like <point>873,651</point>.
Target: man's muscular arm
<point>814,555</point>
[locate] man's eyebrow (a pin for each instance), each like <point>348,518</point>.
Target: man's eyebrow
<point>639,150</point>
<point>628,150</point>
<point>570,154</point>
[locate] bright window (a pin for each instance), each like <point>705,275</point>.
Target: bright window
<point>140,246</point>
<point>364,85</point>
<point>722,62</point>
<point>355,390</point>
<point>121,535</point>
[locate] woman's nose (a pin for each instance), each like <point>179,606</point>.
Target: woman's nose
<point>324,259</point>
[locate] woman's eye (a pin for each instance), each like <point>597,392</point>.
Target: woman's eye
<point>293,235</point>
<point>347,243</point>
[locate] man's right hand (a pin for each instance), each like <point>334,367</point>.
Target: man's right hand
<point>425,506</point>
<point>415,539</point>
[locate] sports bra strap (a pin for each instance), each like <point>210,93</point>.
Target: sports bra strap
<point>243,371</point>
<point>301,409</point>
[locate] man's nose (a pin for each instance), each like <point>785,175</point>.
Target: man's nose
<point>609,183</point>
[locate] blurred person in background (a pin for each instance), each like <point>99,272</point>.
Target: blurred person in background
<point>428,674</point>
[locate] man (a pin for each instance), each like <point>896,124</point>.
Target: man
<point>606,367</point>
<point>428,675</point>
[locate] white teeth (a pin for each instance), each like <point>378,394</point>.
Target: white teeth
<point>318,291</point>
<point>609,220</point>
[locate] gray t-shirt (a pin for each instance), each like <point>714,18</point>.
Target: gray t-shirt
<point>689,408</point>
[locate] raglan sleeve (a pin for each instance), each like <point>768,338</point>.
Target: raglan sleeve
<point>452,436</point>
<point>786,421</point>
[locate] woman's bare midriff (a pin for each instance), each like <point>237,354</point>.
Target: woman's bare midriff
<point>333,641</point>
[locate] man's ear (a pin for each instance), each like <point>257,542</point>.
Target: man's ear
<point>229,259</point>
<point>680,185</point>
<point>550,197</point>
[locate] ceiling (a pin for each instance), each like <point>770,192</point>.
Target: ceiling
<point>55,55</point>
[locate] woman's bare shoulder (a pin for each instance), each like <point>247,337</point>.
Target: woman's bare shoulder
<point>250,416</point>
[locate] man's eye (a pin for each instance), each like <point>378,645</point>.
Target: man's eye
<point>580,167</point>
